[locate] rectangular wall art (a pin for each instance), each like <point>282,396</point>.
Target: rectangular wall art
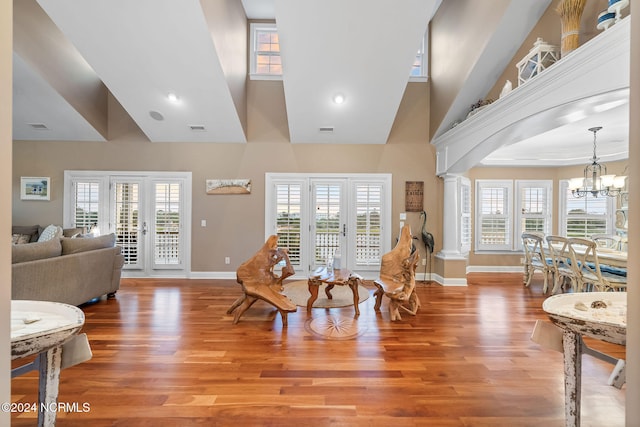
<point>228,186</point>
<point>35,188</point>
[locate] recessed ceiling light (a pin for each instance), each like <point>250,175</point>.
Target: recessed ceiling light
<point>173,98</point>
<point>156,115</point>
<point>338,98</point>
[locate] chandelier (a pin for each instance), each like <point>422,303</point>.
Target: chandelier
<point>595,179</point>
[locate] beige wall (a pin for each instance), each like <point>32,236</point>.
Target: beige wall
<point>236,222</point>
<point>453,52</point>
<point>6,89</point>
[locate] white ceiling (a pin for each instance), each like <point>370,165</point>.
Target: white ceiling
<point>143,50</point>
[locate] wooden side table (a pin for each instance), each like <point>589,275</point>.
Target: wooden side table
<point>42,328</point>
<point>332,278</point>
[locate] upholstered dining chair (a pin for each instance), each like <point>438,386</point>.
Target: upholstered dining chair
<point>586,266</point>
<point>535,258</point>
<point>609,241</point>
<point>561,265</point>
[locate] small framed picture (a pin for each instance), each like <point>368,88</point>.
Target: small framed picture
<point>35,188</point>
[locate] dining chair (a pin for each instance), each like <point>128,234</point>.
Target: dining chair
<point>609,241</point>
<point>535,258</point>
<point>561,264</point>
<point>586,266</point>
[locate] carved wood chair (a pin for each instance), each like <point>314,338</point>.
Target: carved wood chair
<point>397,278</point>
<point>258,280</point>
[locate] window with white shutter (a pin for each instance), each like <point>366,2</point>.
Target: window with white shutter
<point>533,207</point>
<point>493,215</point>
<point>584,216</point>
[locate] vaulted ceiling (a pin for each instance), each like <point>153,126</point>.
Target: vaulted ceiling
<point>70,55</point>
<point>140,51</point>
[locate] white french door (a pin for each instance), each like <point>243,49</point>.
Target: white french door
<point>315,215</point>
<point>149,212</point>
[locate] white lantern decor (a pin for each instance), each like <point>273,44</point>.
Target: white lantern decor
<point>541,56</point>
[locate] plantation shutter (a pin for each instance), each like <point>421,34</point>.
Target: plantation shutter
<point>288,216</point>
<point>168,229</point>
<point>86,201</point>
<point>494,216</point>
<point>368,200</point>
<point>586,215</point>
<point>465,216</point>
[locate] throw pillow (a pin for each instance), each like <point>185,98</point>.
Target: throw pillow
<point>20,239</point>
<point>76,245</point>
<point>39,250</point>
<point>32,230</point>
<point>50,232</point>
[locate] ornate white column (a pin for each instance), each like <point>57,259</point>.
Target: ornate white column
<point>451,233</point>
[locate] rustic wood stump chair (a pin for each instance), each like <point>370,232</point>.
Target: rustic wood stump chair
<point>258,281</point>
<point>397,278</point>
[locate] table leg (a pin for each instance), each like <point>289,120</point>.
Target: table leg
<point>327,291</point>
<point>313,290</point>
<point>572,346</point>
<point>353,284</point>
<point>49,379</point>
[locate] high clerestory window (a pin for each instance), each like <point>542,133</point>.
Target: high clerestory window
<point>266,62</point>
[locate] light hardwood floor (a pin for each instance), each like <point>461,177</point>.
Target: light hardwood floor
<point>165,353</point>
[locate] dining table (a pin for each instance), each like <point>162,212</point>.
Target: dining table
<point>606,256</point>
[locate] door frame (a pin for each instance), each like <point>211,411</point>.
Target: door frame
<point>104,177</point>
<point>305,180</point>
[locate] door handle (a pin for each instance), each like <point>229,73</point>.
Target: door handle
<point>344,230</point>
<point>144,228</point>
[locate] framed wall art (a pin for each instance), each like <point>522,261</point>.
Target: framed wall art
<point>35,188</point>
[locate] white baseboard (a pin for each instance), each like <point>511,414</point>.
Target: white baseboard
<point>494,269</point>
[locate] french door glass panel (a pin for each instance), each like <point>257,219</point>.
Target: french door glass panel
<point>167,230</point>
<point>289,220</point>
<point>126,219</point>
<point>328,224</point>
<point>368,224</point>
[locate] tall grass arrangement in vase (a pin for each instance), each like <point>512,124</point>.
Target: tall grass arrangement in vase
<point>570,12</point>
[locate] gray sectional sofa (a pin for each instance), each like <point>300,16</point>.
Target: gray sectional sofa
<point>64,269</point>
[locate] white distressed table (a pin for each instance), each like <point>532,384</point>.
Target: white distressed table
<point>42,328</point>
<point>567,311</point>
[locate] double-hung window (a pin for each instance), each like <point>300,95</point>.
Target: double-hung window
<point>503,214</point>
<point>266,62</point>
<point>533,208</point>
<point>584,216</point>
<point>493,215</point>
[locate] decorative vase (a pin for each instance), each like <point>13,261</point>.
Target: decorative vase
<point>570,12</point>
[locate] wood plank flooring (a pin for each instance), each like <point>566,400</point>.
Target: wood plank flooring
<point>165,353</point>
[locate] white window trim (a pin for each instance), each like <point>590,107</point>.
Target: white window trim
<point>254,27</point>
<point>508,185</point>
<point>270,209</point>
<point>562,205</point>
<point>521,184</point>
<point>423,77</point>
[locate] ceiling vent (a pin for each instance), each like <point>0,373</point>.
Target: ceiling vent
<point>38,126</point>
<point>326,129</point>
<point>197,128</point>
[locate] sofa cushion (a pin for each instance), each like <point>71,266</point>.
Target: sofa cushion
<point>33,251</point>
<point>74,232</point>
<point>32,230</point>
<point>50,232</point>
<point>76,245</point>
